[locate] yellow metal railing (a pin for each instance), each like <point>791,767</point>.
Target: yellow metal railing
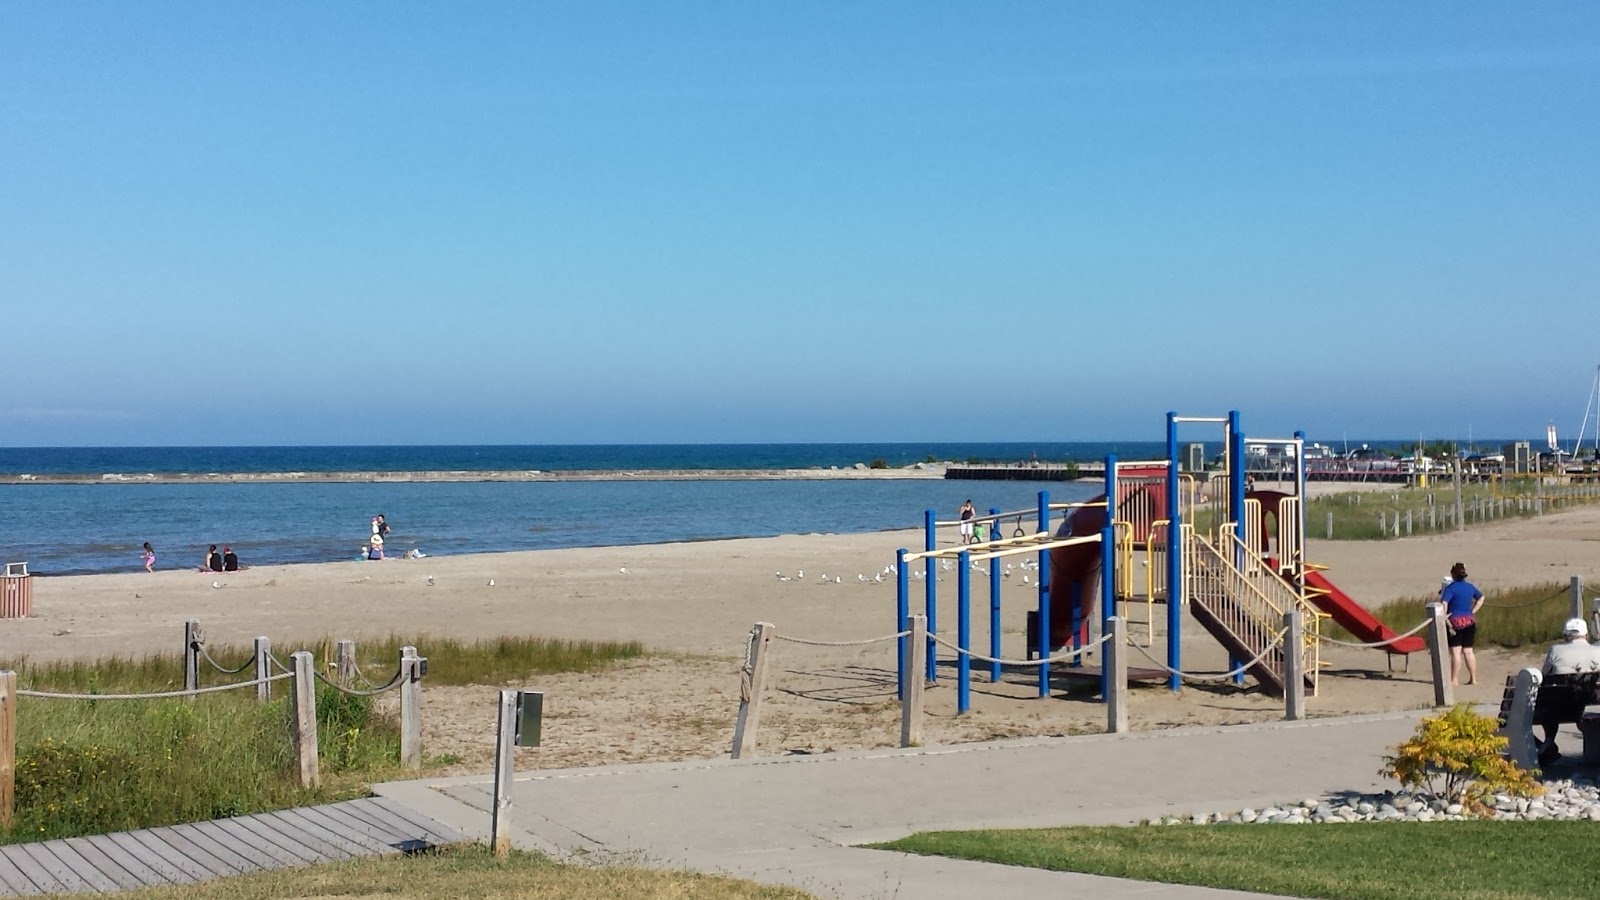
<point>1249,606</point>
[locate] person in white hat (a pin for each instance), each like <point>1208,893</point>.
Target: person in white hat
<point>1574,654</point>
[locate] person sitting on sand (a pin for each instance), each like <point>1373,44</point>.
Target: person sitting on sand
<point>212,561</point>
<point>375,549</point>
<point>230,560</point>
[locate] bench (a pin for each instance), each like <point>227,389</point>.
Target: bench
<point>1532,698</point>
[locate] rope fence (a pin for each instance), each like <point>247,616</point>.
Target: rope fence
<point>1192,676</point>
<point>1373,645</point>
<point>206,655</point>
<point>862,643</point>
<point>1564,592</point>
<point>152,695</point>
<point>1060,657</point>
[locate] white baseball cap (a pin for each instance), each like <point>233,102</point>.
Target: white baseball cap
<point>1576,627</point>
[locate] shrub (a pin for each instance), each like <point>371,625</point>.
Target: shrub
<point>1456,757</point>
<point>879,463</point>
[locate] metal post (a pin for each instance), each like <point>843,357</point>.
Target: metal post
<point>1294,676</point>
<point>752,679</point>
<point>994,604</point>
<point>1236,474</point>
<point>263,668</point>
<point>1044,598</point>
<point>1439,650</point>
<point>931,610</point>
<point>505,737</point>
<point>1116,684</point>
<point>1175,557</point>
<point>902,599</point>
<point>344,663</point>
<point>911,702</point>
<point>410,708</point>
<point>191,655</point>
<point>1576,597</point>
<point>305,719</point>
<point>964,633</point>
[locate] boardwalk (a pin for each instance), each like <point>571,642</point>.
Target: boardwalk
<point>181,854</point>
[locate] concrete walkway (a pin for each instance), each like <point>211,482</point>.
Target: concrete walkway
<point>794,820</point>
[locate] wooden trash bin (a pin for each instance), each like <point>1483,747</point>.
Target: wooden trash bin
<point>16,593</point>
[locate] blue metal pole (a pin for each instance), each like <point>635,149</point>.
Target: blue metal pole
<point>1238,460</point>
<point>964,635</point>
<point>1044,598</point>
<point>1108,601</point>
<point>1113,503</point>
<point>930,544</point>
<point>902,592</point>
<point>994,605</point>
<point>1174,558</point>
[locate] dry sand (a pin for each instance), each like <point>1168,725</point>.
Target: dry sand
<point>695,604</point>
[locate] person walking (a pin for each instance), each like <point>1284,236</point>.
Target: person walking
<point>1462,600</point>
<point>967,512</point>
<point>149,557</point>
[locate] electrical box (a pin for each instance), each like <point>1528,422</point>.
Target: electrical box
<point>1519,458</point>
<point>530,715</point>
<point>1194,458</point>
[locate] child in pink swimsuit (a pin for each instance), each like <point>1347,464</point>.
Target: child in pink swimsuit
<point>149,557</point>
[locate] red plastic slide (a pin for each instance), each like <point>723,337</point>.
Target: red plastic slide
<point>1355,618</point>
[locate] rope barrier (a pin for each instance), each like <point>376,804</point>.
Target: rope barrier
<point>1203,678</point>
<point>1560,593</point>
<point>394,682</point>
<point>1374,644</point>
<point>279,663</point>
<point>1060,657</point>
<point>218,666</point>
<point>811,643</point>
<point>49,695</point>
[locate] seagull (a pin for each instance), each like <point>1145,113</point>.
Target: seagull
<point>878,578</point>
<point>838,580</point>
<point>861,578</point>
<point>918,574</point>
<point>216,584</point>
<point>491,582</point>
<point>800,575</point>
<point>430,581</point>
<point>1025,579</point>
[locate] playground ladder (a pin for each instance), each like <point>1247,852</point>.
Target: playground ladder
<point>1244,609</point>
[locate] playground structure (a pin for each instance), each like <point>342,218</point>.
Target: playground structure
<point>1230,555</point>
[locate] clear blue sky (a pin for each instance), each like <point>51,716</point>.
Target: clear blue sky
<point>290,223</point>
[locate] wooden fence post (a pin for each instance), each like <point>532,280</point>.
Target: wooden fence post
<point>8,745</point>
<point>1577,597</point>
<point>1383,525</point>
<point>410,708</point>
<point>191,656</point>
<point>305,719</point>
<point>751,680</point>
<point>1117,677</point>
<point>263,668</point>
<point>1294,680</point>
<point>505,738</point>
<point>916,680</point>
<point>1439,650</point>
<point>344,664</point>
<point>1330,526</point>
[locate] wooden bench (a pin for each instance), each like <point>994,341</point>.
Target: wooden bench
<point>1554,700</point>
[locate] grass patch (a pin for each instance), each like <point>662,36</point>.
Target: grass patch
<point>1356,514</point>
<point>1359,861</point>
<point>1529,616</point>
<point>470,871</point>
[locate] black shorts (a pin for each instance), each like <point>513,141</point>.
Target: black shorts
<point>1463,637</point>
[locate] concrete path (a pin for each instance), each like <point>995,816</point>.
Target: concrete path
<point>795,820</point>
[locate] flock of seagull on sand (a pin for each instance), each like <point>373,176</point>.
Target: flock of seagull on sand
<point>887,574</point>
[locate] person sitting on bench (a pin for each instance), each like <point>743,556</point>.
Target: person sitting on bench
<point>1573,656</point>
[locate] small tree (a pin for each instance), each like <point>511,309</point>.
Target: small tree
<point>1457,757</point>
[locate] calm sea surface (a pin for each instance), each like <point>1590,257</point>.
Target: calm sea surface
<point>91,528</point>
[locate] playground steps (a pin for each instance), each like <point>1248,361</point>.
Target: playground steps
<point>1242,611</point>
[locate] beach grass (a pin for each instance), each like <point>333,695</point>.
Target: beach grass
<point>1358,861</point>
<point>470,871</point>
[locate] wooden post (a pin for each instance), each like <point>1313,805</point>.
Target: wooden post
<point>305,719</point>
<point>1576,597</point>
<point>8,745</point>
<point>410,708</point>
<point>911,703</point>
<point>191,655</point>
<point>1461,522</point>
<point>344,664</point>
<point>1439,650</point>
<point>751,680</point>
<point>505,737</point>
<point>1294,676</point>
<point>1330,526</point>
<point>1383,524</point>
<point>1117,677</point>
<point>1408,523</point>
<point>263,668</point>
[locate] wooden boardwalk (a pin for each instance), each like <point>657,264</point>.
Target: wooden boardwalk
<point>181,854</point>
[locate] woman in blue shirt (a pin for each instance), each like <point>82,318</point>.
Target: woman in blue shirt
<point>1462,601</point>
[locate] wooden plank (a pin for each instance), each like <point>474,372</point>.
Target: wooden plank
<point>303,825</point>
<point>311,843</point>
<point>131,864</point>
<point>48,869</point>
<point>117,877</point>
<point>444,833</point>
<point>203,839</point>
<point>248,850</point>
<point>14,878</point>
<point>213,864</point>
<point>173,866</point>
<point>341,821</point>
<point>402,829</point>
<point>286,851</point>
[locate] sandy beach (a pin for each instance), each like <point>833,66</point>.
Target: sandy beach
<point>693,606</point>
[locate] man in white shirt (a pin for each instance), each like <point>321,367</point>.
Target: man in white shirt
<point>1574,655</point>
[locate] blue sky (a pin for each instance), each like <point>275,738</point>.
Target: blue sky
<point>681,222</point>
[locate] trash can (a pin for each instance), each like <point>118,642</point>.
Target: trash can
<point>1590,726</point>
<point>16,593</point>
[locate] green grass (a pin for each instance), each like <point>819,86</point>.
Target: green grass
<point>1356,514</point>
<point>1529,616</point>
<point>1361,861</point>
<point>469,871</point>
